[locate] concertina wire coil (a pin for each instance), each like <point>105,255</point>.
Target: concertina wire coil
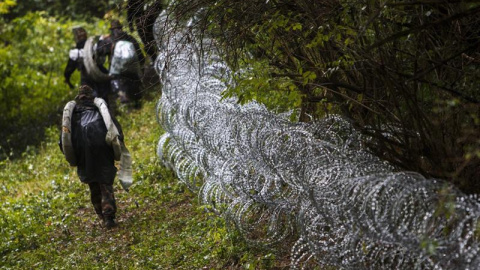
<point>274,178</point>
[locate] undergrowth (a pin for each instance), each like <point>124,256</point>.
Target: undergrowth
<point>47,221</point>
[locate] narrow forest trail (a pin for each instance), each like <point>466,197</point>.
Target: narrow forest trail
<point>48,222</point>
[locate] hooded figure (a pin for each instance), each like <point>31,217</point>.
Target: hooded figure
<point>94,157</point>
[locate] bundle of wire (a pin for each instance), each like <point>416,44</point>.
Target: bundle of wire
<point>275,179</point>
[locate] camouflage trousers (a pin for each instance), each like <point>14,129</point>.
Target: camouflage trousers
<point>103,200</point>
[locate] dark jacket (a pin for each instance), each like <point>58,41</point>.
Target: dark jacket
<point>73,65</point>
<point>95,159</point>
<point>101,88</point>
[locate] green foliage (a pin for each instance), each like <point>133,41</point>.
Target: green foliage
<point>87,9</point>
<point>35,194</point>
<point>256,83</point>
<point>30,59</point>
<point>6,5</point>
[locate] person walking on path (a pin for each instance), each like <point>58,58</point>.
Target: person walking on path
<point>76,62</point>
<point>85,146</point>
<point>126,65</point>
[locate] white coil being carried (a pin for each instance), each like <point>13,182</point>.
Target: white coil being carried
<point>91,60</point>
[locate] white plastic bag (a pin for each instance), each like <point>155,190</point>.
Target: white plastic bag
<point>124,60</point>
<point>125,173</point>
<point>75,54</point>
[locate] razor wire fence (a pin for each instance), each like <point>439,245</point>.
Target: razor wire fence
<point>274,178</point>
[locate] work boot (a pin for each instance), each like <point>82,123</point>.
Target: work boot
<point>110,223</point>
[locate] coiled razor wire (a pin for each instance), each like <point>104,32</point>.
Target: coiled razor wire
<point>274,178</point>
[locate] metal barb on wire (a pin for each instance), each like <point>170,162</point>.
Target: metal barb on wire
<point>275,178</point>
